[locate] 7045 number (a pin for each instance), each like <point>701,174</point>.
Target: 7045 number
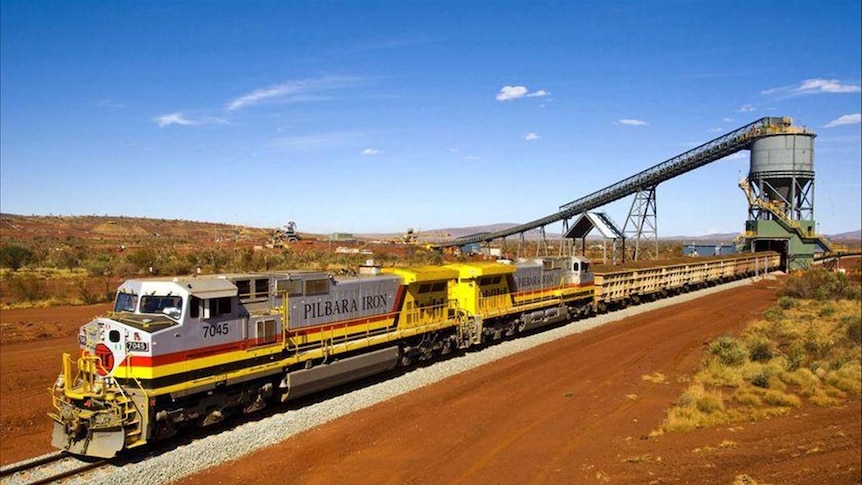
<point>216,329</point>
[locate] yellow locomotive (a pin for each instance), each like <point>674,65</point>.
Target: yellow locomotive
<point>189,351</point>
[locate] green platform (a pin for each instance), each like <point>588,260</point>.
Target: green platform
<point>798,244</point>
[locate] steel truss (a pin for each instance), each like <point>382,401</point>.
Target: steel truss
<point>642,224</point>
<point>736,140</point>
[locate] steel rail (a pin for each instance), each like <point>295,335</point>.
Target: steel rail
<point>35,463</point>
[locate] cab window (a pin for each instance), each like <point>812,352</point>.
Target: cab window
<point>126,302</point>
<point>171,306</point>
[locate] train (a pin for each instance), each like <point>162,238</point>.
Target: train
<point>185,352</point>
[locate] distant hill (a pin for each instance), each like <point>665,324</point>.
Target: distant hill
<point>847,236</point>
<point>137,230</point>
<point>120,230</point>
<point>717,237</point>
<point>449,233</point>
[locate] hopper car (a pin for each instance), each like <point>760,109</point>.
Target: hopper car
<point>188,352</point>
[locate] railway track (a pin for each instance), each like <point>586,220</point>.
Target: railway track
<point>45,469</point>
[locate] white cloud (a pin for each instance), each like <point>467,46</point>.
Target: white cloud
<point>826,86</point>
<point>301,90</point>
<point>853,119</point>
<point>174,119</point>
<point>183,120</point>
<point>371,151</point>
<point>632,122</point>
<point>728,120</point>
<point>531,136</point>
<point>470,158</point>
<point>746,108</point>
<point>313,141</point>
<point>715,130</point>
<point>509,93</point>
<point>109,103</point>
<point>215,120</point>
<point>814,86</point>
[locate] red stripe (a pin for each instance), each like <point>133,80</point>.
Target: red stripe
<point>159,360</point>
<point>341,324</point>
<point>548,288</point>
<point>172,358</point>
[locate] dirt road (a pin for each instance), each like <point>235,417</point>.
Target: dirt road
<point>32,342</point>
<point>578,410</point>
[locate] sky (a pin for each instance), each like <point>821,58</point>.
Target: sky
<point>381,116</point>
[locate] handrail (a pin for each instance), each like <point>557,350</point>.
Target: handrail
<point>778,211</point>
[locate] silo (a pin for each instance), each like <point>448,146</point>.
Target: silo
<point>782,172</point>
<point>781,195</point>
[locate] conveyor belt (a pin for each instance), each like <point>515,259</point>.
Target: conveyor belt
<point>736,140</point>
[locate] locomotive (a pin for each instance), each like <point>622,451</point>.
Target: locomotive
<point>190,351</point>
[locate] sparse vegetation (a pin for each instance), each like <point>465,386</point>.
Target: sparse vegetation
<point>820,284</point>
<point>27,287</point>
<point>14,257</point>
<point>806,349</point>
<point>80,260</point>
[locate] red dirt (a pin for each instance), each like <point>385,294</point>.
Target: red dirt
<point>573,411</point>
<point>32,342</point>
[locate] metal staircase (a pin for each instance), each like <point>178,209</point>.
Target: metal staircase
<point>778,213</point>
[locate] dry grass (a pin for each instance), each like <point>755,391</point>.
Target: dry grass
<point>802,351</point>
<point>655,378</point>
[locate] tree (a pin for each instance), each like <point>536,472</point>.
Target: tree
<point>14,257</point>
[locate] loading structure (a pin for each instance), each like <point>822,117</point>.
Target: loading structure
<point>780,193</point>
<point>779,189</point>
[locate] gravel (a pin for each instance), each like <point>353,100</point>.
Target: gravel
<point>244,439</point>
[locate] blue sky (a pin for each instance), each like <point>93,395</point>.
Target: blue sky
<point>379,116</point>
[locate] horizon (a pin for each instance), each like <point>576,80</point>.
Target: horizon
<point>593,235</point>
<point>375,117</point>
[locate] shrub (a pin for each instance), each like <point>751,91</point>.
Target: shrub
<point>854,328</point>
<point>853,292</point>
<point>709,403</point>
<point>87,295</point>
<point>819,284</point>
<point>27,287</point>
<point>786,302</point>
<point>816,343</point>
<point>728,350</point>
<point>848,379</point>
<point>760,350</point>
<point>715,373</point>
<point>15,257</point>
<point>796,356</point>
<point>747,398</point>
<point>773,314</point>
<point>802,377</point>
<point>761,380</point>
<point>778,398</point>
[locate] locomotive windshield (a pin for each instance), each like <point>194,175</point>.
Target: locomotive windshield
<point>126,302</point>
<point>171,306</point>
